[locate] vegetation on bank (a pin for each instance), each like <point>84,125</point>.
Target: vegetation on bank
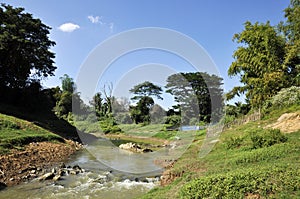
<point>247,161</point>
<point>16,133</point>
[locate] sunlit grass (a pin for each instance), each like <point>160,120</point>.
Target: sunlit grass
<point>223,170</point>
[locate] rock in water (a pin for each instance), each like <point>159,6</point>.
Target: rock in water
<point>134,148</point>
<point>2,186</point>
<point>47,176</point>
<point>57,177</point>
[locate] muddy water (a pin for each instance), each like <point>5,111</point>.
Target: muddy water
<point>109,173</point>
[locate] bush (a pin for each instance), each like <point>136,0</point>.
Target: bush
<point>172,122</point>
<point>109,125</point>
<point>234,142</point>
<point>267,138</point>
<point>284,98</point>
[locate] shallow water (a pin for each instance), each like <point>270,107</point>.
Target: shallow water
<point>109,173</point>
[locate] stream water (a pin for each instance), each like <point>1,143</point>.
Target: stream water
<point>109,173</point>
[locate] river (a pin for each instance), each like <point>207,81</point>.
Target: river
<point>109,173</point>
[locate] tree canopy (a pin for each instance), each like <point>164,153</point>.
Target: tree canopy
<point>197,94</point>
<point>143,92</point>
<point>25,54</point>
<point>146,89</point>
<point>67,84</point>
<point>268,58</point>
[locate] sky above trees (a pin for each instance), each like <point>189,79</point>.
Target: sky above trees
<point>79,26</point>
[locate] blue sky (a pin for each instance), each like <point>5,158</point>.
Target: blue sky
<point>79,26</point>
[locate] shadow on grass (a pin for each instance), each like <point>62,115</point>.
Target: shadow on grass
<point>49,121</point>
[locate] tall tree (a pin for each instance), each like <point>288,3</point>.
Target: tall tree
<point>141,112</point>
<point>268,58</point>
<point>25,54</point>
<point>67,84</point>
<point>98,104</point>
<point>291,29</point>
<point>143,92</point>
<point>198,94</point>
<point>146,89</point>
<point>259,63</point>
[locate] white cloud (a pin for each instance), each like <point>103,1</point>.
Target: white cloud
<point>95,19</point>
<point>68,27</point>
<point>111,27</point>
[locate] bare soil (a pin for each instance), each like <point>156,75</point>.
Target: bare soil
<point>287,123</point>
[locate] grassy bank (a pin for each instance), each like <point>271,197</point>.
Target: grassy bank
<point>247,162</point>
<point>16,133</point>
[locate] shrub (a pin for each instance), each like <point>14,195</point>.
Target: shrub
<point>172,122</point>
<point>109,125</point>
<point>284,98</point>
<point>267,138</point>
<point>233,142</point>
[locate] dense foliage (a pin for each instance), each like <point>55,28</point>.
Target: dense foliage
<point>143,92</point>
<point>25,55</point>
<point>268,58</point>
<point>284,98</point>
<point>199,95</point>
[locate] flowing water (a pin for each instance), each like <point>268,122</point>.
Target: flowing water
<point>109,173</point>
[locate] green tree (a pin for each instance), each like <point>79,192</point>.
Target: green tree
<point>259,63</point>
<point>146,89</point>
<point>68,99</point>
<point>291,30</point>
<point>198,94</point>
<point>64,105</point>
<point>25,54</point>
<point>97,103</point>
<point>141,112</point>
<point>268,58</point>
<point>143,92</point>
<point>67,84</point>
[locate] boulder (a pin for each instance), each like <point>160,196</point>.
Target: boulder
<point>134,148</point>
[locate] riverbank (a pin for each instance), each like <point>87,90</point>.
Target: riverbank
<point>32,161</point>
<point>237,161</point>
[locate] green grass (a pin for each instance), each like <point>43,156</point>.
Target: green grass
<point>45,119</point>
<point>141,130</point>
<point>88,127</point>
<point>15,133</point>
<point>237,169</point>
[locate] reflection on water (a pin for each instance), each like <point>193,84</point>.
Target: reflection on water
<point>99,180</point>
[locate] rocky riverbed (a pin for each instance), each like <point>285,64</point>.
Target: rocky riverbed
<point>34,161</point>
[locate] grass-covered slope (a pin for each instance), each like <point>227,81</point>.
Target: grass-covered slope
<point>247,162</point>
<point>15,133</point>
<point>43,117</point>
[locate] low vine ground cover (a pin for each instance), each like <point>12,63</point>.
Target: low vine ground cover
<point>249,161</point>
